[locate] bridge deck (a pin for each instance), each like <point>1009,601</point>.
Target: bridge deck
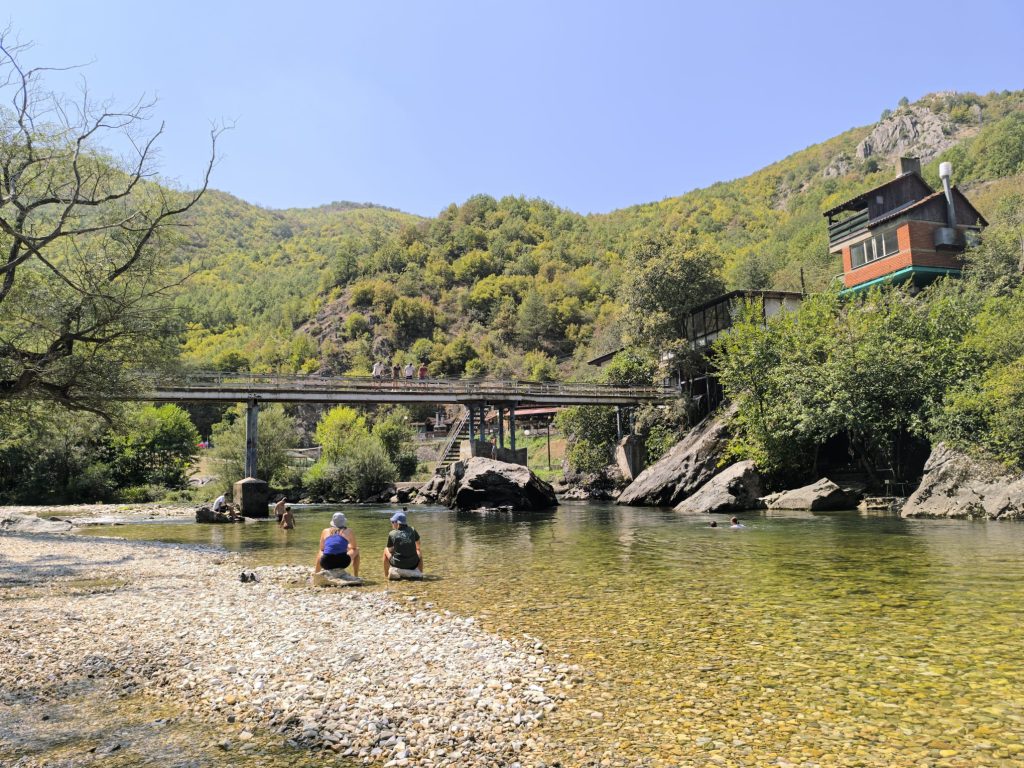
<point>236,387</point>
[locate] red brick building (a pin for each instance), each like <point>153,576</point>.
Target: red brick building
<point>903,230</point>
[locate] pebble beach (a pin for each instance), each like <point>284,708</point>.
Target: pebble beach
<point>347,676</point>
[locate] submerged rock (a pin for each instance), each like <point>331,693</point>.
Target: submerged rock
<point>822,496</point>
<point>956,485</point>
<point>684,469</point>
<point>734,489</point>
<point>478,482</point>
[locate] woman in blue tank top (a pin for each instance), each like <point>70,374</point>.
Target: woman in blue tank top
<point>338,546</point>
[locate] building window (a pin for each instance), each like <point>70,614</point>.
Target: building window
<point>881,245</point>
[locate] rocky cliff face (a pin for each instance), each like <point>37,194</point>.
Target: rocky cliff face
<point>910,132</point>
<point>955,485</point>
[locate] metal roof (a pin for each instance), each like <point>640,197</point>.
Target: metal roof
<point>848,203</point>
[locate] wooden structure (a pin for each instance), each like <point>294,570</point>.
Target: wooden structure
<point>902,230</point>
<point>705,323</point>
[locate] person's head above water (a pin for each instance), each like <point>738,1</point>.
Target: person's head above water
<point>338,520</point>
<point>734,521</point>
<point>399,518</point>
<point>713,524</point>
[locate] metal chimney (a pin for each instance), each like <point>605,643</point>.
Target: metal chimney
<point>945,172</point>
<point>948,238</point>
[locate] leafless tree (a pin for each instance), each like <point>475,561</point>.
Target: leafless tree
<point>85,234</point>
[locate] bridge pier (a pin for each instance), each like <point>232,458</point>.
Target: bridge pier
<point>501,427</point>
<point>251,495</point>
<point>252,417</point>
<point>512,428</point>
<point>472,434</point>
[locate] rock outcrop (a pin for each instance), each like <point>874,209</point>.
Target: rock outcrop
<point>479,483</point>
<point>684,469</point>
<point>734,489</point>
<point>955,485</point>
<point>909,132</point>
<point>822,496</point>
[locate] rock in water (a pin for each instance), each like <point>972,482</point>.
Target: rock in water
<point>732,490</point>
<point>955,485</point>
<point>19,523</point>
<point>479,482</point>
<point>821,496</point>
<point>685,468</point>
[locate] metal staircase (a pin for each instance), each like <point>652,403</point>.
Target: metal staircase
<point>449,454</point>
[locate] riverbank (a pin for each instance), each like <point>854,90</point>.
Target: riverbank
<point>102,514</point>
<point>369,676</point>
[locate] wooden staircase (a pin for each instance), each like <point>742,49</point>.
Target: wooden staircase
<point>450,452</point>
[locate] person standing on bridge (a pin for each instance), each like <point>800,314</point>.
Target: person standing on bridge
<point>396,374</point>
<point>378,370</point>
<point>423,372</point>
<point>409,372</point>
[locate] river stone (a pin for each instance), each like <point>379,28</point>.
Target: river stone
<point>479,482</point>
<point>19,523</point>
<point>684,469</point>
<point>397,574</point>
<point>734,489</point>
<point>205,514</point>
<point>956,485</point>
<point>334,578</point>
<point>821,496</point>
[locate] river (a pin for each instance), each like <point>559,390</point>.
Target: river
<point>823,639</point>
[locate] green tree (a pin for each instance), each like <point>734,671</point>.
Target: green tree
<point>665,282</point>
<point>158,447</point>
<point>85,289</point>
<point>277,433</point>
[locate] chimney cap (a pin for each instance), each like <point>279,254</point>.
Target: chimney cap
<point>945,170</point>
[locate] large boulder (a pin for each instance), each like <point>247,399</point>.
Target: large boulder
<point>685,468</point>
<point>822,496</point>
<point>17,522</point>
<point>955,485</point>
<point>478,482</point>
<point>734,489</point>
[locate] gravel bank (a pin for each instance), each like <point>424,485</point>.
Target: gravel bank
<point>101,514</point>
<point>368,676</point>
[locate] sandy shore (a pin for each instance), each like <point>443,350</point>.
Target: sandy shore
<point>371,676</point>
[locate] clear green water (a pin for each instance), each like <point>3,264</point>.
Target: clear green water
<point>815,639</point>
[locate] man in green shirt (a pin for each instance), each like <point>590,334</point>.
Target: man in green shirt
<point>403,548</point>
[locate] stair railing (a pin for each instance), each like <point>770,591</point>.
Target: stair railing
<point>453,435</point>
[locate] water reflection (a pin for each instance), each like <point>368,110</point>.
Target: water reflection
<point>832,639</point>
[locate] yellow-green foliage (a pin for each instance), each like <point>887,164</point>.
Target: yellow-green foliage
<point>512,275</point>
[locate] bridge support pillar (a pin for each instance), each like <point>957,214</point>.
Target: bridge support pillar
<point>618,422</point>
<point>252,416</point>
<point>472,434</point>
<point>512,428</point>
<point>501,426</point>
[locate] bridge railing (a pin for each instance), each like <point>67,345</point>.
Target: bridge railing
<point>505,388</point>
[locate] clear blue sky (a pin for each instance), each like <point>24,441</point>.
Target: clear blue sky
<point>591,105</point>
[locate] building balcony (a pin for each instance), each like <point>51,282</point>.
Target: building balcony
<point>848,227</point>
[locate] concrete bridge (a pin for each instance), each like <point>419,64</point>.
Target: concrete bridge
<point>475,394</point>
<point>278,388</point>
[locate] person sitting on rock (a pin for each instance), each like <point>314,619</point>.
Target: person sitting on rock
<point>220,502</point>
<point>338,546</point>
<point>403,547</point>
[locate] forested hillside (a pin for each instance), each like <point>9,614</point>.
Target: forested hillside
<point>514,286</point>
